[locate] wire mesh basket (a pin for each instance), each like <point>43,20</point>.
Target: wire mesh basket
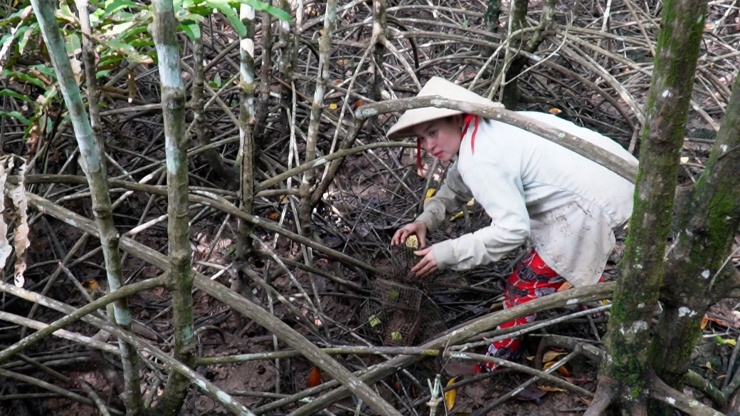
<point>396,295</point>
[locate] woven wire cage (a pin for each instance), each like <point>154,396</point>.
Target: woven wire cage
<point>432,320</point>
<point>400,314</point>
<point>396,295</point>
<point>401,329</point>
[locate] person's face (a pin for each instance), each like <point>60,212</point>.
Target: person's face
<point>441,137</point>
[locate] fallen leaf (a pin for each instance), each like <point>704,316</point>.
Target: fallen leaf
<point>430,193</point>
<point>374,321</point>
<point>550,389</point>
<point>457,215</point>
<point>314,378</point>
<point>531,393</point>
<point>562,370</point>
<point>450,395</point>
<point>725,341</point>
<point>551,355</point>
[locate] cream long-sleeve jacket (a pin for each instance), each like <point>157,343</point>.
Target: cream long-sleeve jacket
<point>533,190</point>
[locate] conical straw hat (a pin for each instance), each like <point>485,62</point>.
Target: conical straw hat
<point>435,86</point>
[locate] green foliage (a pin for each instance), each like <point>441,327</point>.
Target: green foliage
<point>268,8</point>
<point>23,77</point>
<point>120,36</point>
<point>16,115</point>
<point>19,31</point>
<point>191,12</point>
<point>216,81</point>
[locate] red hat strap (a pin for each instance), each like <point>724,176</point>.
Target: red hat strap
<point>467,119</point>
<point>418,153</point>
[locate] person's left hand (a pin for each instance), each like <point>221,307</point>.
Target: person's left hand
<point>427,265</point>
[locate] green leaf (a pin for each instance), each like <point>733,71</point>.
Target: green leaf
<point>267,7</point>
<point>110,59</point>
<point>396,336</point>
<point>117,5</point>
<point>15,115</point>
<point>374,321</point>
<point>117,29</point>
<point>27,32</point>
<point>393,294</point>
<point>72,44</point>
<point>25,77</point>
<point>192,30</point>
<point>137,58</point>
<point>185,16</point>
<point>230,14</point>
<point>216,81</point>
<point>48,71</point>
<point>13,18</point>
<point>131,54</point>
<point>11,93</point>
<point>65,13</point>
<point>723,341</point>
<point>134,32</point>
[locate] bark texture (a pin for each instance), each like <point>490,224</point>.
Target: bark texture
<point>178,228</point>
<point>699,266</point>
<point>642,269</point>
<point>94,168</point>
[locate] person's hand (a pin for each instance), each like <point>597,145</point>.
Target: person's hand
<point>427,265</point>
<point>419,229</point>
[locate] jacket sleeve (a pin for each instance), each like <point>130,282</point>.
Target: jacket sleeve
<point>451,195</point>
<point>504,202</point>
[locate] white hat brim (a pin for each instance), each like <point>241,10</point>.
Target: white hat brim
<point>435,86</point>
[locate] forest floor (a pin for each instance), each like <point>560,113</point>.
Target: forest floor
<point>373,195</point>
<point>458,296</point>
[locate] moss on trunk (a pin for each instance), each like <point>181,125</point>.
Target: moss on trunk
<point>642,270</point>
<point>697,266</point>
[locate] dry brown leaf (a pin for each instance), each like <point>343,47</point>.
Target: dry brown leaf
<point>5,248</point>
<point>550,389</point>
<point>552,355</point>
<point>16,214</point>
<point>562,370</point>
<point>20,233</point>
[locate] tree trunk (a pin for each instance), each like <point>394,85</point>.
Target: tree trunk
<point>697,268</point>
<point>180,279</point>
<point>642,269</point>
<point>247,87</point>
<point>94,168</point>
<point>309,178</point>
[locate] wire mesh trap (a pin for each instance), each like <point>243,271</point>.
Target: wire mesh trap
<point>398,312</point>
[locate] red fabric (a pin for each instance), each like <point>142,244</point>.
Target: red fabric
<point>418,153</point>
<point>532,278</point>
<point>467,120</point>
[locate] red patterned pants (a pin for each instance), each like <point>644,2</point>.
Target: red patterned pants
<point>531,279</point>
